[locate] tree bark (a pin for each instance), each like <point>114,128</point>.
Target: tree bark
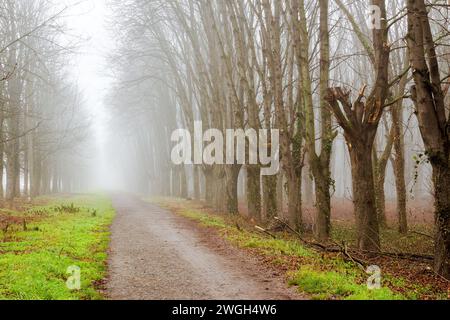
<point>209,184</point>
<point>271,193</point>
<point>308,186</point>
<point>379,172</point>
<point>36,176</point>
<point>175,184</point>
<point>232,199</point>
<point>220,189</point>
<point>295,202</point>
<point>441,177</point>
<point>380,196</point>
<point>323,201</point>
<point>254,192</point>
<point>196,174</point>
<point>399,168</point>
<point>183,183</point>
<point>434,122</point>
<point>364,199</point>
<point>281,193</point>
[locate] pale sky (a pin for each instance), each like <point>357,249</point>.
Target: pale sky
<point>89,19</point>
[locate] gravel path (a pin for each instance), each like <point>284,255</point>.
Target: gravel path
<point>156,254</point>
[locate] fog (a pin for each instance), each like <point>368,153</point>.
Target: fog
<point>93,91</point>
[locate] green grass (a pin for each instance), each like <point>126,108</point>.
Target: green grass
<point>337,285</point>
<point>34,263</point>
<point>246,239</point>
<point>391,240</point>
<point>205,220</point>
<point>319,275</point>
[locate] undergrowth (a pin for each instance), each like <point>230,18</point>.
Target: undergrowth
<point>34,261</point>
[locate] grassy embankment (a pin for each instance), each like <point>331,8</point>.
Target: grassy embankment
<point>58,233</point>
<point>318,274</point>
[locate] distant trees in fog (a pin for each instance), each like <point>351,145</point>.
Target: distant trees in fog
<point>41,120</point>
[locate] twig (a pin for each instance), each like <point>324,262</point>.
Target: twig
<point>265,231</point>
<point>308,243</point>
<point>339,248</point>
<point>423,234</point>
<point>402,255</point>
<point>362,264</point>
<point>292,229</point>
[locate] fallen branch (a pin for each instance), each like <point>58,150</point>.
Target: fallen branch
<point>423,234</point>
<point>402,255</point>
<point>342,249</point>
<point>265,231</point>
<point>362,264</point>
<point>308,243</point>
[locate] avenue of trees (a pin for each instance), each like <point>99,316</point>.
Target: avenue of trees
<point>41,120</point>
<point>374,74</point>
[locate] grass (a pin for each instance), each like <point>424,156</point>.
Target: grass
<point>319,275</point>
<point>414,242</point>
<point>205,220</point>
<point>274,247</point>
<point>70,232</point>
<point>337,285</point>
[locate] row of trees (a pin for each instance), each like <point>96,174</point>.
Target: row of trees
<point>41,121</point>
<point>313,70</point>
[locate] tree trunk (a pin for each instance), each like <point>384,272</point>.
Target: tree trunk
<point>183,183</point>
<point>308,186</point>
<point>281,193</point>
<point>165,178</point>
<point>55,187</point>
<point>25,171</point>
<point>46,179</point>
<point>271,193</point>
<point>175,185</point>
<point>209,183</point>
<point>2,192</point>
<point>220,189</point>
<point>196,174</point>
<point>323,202</point>
<point>379,173</point>
<point>429,99</point>
<point>399,168</point>
<point>364,199</point>
<point>11,175</point>
<point>254,192</point>
<point>232,177</point>
<point>2,150</point>
<point>294,202</point>
<point>441,177</point>
<point>36,176</point>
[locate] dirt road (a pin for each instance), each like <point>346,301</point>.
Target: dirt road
<point>156,254</point>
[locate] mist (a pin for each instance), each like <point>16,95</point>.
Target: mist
<point>313,114</point>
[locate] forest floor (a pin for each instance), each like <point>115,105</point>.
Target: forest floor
<point>179,249</point>
<point>44,242</point>
<point>319,274</point>
<point>156,254</point>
